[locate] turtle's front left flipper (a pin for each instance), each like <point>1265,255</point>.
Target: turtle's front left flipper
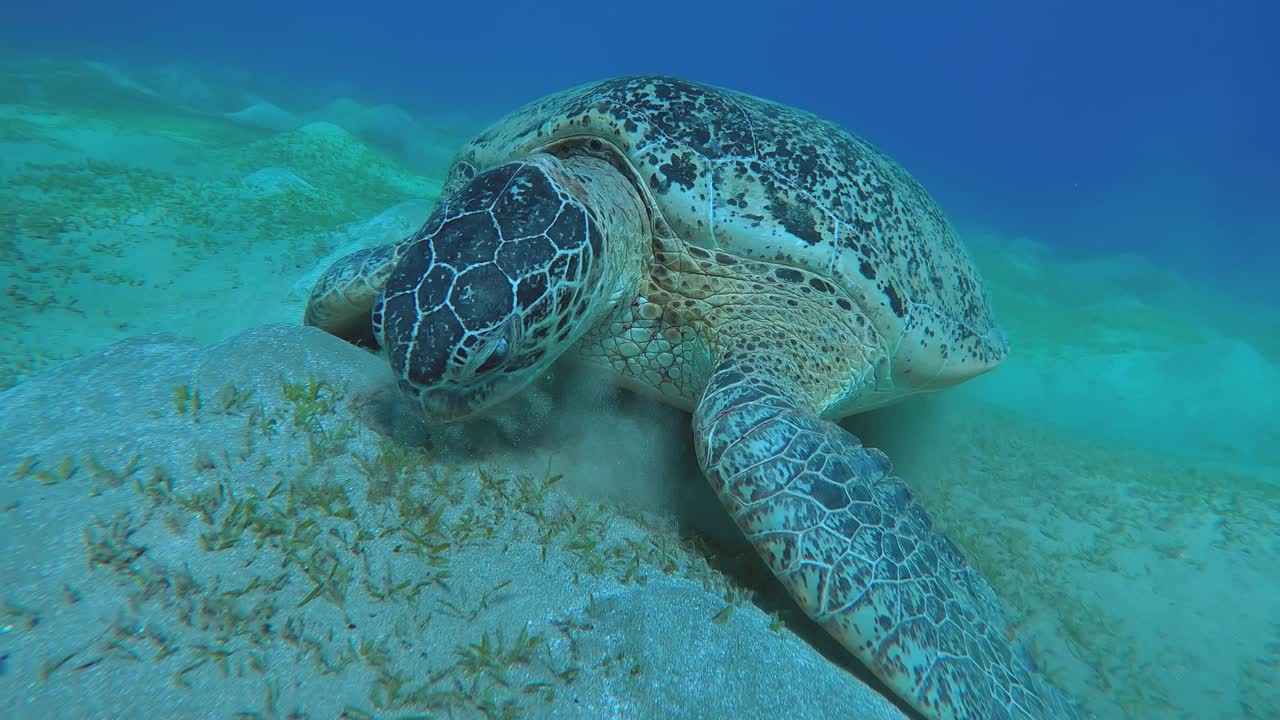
<point>342,301</point>
<point>859,555</point>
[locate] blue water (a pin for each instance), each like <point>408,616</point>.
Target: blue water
<point>1118,476</point>
<point>1097,126</point>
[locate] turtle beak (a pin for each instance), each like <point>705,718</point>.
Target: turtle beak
<point>444,405</point>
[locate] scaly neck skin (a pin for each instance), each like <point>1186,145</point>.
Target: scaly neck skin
<point>624,219</point>
<point>804,329</point>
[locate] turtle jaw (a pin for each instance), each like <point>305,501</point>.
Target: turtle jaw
<point>451,379</point>
<point>450,404</point>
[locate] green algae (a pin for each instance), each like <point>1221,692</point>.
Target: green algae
<point>315,545</point>
<point>344,182</point>
<point>91,210</point>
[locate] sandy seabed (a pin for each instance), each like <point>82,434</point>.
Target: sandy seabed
<point>198,519</point>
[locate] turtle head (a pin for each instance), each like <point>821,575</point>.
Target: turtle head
<point>504,276</point>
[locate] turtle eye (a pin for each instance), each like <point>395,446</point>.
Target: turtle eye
<point>501,351</point>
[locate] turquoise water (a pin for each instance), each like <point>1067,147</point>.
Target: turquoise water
<point>1117,479</point>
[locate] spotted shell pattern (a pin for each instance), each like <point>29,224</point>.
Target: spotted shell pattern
<point>766,181</point>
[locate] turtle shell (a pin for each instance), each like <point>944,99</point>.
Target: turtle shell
<point>754,178</point>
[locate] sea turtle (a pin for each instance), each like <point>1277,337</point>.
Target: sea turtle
<point>754,264</point>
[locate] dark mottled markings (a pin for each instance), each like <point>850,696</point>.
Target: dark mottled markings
<point>680,170</point>
<point>810,174</point>
<point>895,302</point>
<point>717,124</point>
<point>797,218</point>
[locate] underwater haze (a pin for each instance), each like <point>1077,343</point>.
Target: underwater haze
<point>1095,126</point>
<point>210,510</point>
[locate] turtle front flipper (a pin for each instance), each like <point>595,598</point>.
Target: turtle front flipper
<point>858,554</point>
<point>342,301</point>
